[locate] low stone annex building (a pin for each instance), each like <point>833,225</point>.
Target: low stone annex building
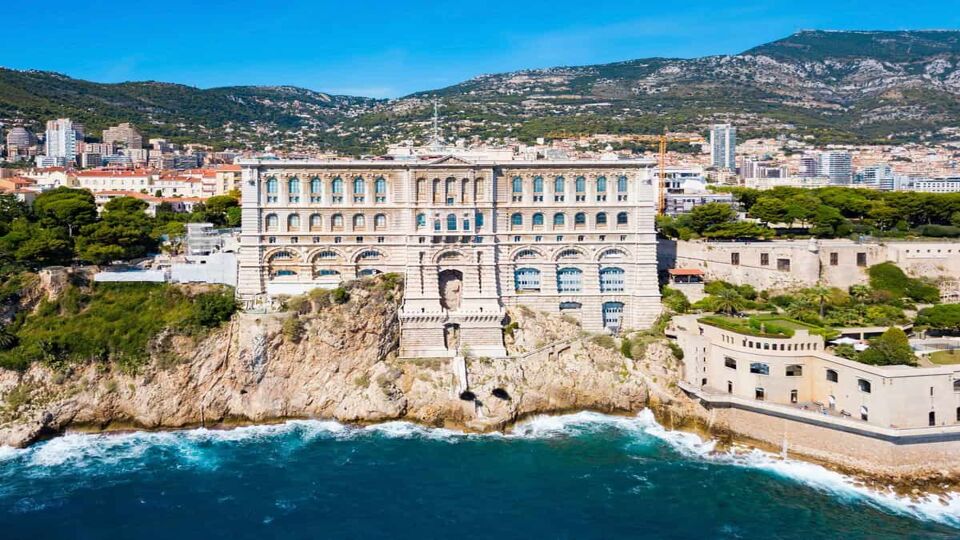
<point>471,238</point>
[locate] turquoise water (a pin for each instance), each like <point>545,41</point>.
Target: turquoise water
<point>576,476</point>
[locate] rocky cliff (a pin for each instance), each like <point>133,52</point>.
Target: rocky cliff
<point>327,360</point>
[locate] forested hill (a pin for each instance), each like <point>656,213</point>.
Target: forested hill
<point>231,115</point>
<point>846,86</point>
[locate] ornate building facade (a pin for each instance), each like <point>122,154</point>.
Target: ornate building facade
<point>470,238</point>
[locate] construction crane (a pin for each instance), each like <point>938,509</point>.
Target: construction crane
<point>660,140</point>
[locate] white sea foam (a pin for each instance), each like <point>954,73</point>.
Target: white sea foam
<point>126,451</point>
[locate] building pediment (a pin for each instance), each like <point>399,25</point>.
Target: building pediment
<point>451,160</point>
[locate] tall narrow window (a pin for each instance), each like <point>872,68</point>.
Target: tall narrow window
<point>517,188</point>
<point>421,220</point>
<point>272,189</point>
<point>579,218</point>
<point>516,220</point>
<point>293,222</point>
<point>451,222</point>
<point>580,184</point>
<point>559,219</point>
<point>527,279</point>
<point>569,280</point>
<point>538,220</point>
<point>380,189</point>
<point>612,279</point>
<point>559,187</point>
<point>293,189</point>
<point>538,189</point>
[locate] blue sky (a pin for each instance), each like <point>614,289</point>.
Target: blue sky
<point>389,49</point>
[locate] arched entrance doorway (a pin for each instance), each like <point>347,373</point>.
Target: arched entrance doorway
<point>451,337</point>
<point>451,289</point>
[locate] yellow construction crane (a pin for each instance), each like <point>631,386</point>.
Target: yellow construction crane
<point>660,140</point>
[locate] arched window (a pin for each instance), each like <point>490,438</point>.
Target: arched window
<point>612,279</point>
<point>569,280</point>
<point>581,184</point>
<point>285,272</point>
<point>517,184</point>
<point>336,221</point>
<point>379,222</point>
<point>272,185</point>
<point>293,222</point>
<point>421,220</point>
<point>451,222</point>
<point>293,186</point>
<point>622,184</point>
<point>526,254</point>
<point>579,218</point>
<point>601,184</point>
<point>559,185</point>
<point>538,184</point>
<point>559,219</point>
<point>316,222</point>
<point>569,254</point>
<point>612,315</point>
<point>612,254</point>
<point>370,254</point>
<point>538,220</point>
<point>368,272</point>
<point>315,185</point>
<point>622,218</point>
<point>281,256</point>
<point>602,218</point>
<point>359,222</point>
<point>327,272</point>
<point>527,279</point>
<point>359,186</point>
<point>516,220</point>
<point>337,186</point>
<point>326,254</point>
<point>272,222</point>
<point>380,186</point>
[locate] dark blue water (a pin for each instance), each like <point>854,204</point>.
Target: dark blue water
<point>579,476</point>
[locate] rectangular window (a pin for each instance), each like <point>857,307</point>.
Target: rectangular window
<point>834,258</point>
<point>863,385</point>
<point>861,259</point>
<point>783,265</point>
<point>729,362</point>
<point>764,259</point>
<point>735,259</point>
<point>760,368</point>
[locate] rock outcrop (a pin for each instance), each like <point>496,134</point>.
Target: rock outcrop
<point>336,362</point>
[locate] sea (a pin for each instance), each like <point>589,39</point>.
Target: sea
<point>577,476</point>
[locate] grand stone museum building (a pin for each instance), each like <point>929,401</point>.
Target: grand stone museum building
<point>470,237</point>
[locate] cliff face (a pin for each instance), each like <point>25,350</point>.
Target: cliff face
<point>338,363</point>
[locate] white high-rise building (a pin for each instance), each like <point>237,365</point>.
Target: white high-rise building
<point>837,166</point>
<point>62,139</point>
<point>723,146</point>
<point>879,176</point>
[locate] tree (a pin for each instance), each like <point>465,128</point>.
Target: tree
<point>820,295</point>
<point>768,210</point>
<point>30,243</point>
<point>124,232</point>
<point>891,348</point>
<point>727,301</point>
<point>705,216</point>
<point>66,208</point>
<point>944,317</point>
<point>214,308</point>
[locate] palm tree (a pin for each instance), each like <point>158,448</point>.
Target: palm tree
<point>820,295</point>
<point>727,301</point>
<point>7,340</point>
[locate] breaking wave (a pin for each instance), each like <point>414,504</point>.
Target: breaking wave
<point>105,454</point>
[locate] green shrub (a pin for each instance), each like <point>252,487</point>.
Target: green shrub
<point>625,348</point>
<point>676,350</point>
<point>891,348</point>
<point>607,342</point>
<point>339,296</point>
<point>293,328</point>
<point>214,308</point>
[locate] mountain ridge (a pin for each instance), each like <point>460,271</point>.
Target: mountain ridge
<point>831,85</point>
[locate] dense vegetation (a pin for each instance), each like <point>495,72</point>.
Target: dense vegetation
<point>115,322</point>
<point>830,212</point>
<point>62,226</point>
